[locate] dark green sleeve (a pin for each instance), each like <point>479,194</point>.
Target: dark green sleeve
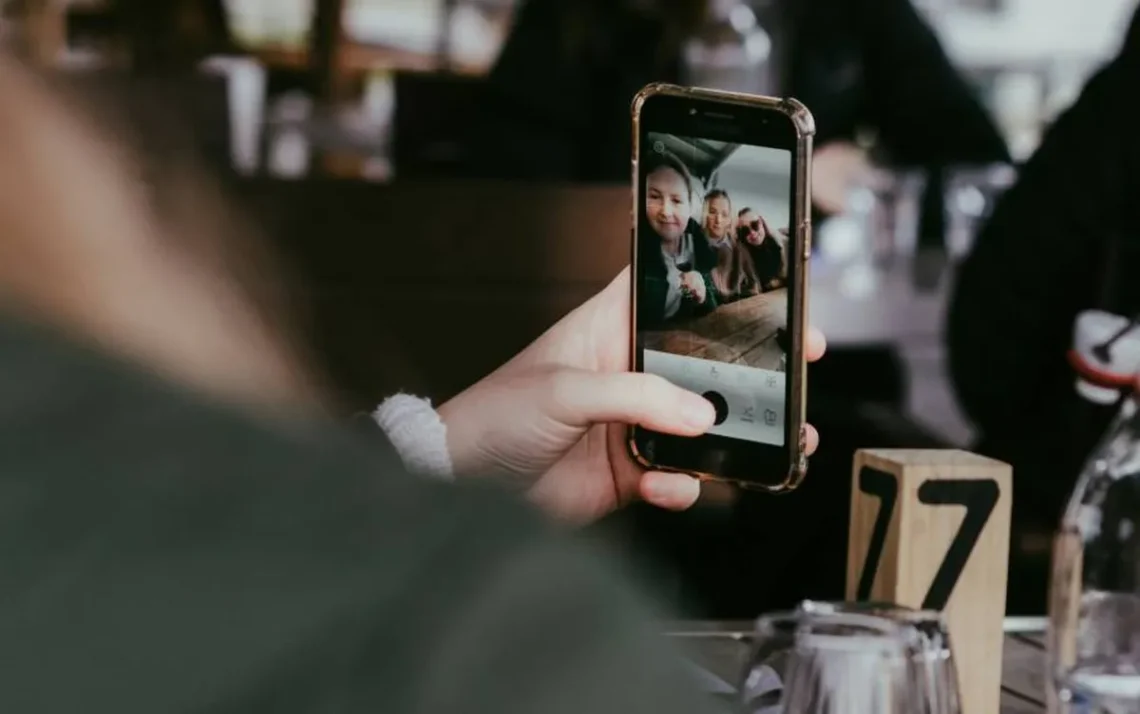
<point>651,301</point>
<point>177,556</point>
<point>551,631</point>
<point>711,300</point>
<point>505,618</point>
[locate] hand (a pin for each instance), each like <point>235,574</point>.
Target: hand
<point>694,284</point>
<point>836,166</point>
<point>555,416</point>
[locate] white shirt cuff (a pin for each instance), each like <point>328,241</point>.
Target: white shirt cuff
<point>417,433</point>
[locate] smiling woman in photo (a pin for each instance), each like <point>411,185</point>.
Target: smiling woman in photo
<point>718,218</point>
<point>678,268</point>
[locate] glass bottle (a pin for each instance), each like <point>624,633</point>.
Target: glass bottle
<point>730,51</point>
<point>1094,604</point>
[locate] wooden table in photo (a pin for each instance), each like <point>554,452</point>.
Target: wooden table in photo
<point>742,332</point>
<point>719,651</point>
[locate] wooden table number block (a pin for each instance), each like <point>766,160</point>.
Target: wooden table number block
<point>930,529</point>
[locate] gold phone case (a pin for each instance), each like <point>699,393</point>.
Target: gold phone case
<point>800,251</point>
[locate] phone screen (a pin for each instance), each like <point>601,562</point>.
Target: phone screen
<point>714,278</point>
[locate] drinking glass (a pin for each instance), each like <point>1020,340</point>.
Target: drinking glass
<point>730,50</point>
<point>930,662</point>
<point>886,204</point>
<point>970,195</point>
<point>830,662</point>
<point>1094,618</point>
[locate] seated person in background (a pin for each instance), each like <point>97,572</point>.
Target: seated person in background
<point>858,64</point>
<point>757,238</point>
<point>1064,239</point>
<point>678,281</point>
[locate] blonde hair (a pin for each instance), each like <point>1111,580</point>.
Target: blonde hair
<point>129,253</point>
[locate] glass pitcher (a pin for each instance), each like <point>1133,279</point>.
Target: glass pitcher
<point>1094,618</point>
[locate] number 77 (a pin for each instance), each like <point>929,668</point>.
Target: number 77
<point>977,496</point>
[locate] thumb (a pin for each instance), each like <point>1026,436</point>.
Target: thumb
<point>581,398</point>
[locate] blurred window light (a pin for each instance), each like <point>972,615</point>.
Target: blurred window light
<point>270,23</point>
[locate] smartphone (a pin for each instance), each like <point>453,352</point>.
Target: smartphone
<point>721,241</point>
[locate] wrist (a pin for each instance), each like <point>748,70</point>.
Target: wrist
<point>457,437</point>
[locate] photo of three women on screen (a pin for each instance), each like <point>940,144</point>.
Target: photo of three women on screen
<point>699,251</point>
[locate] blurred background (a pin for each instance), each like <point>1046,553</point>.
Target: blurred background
<point>375,90</point>
<point>311,76</point>
<point>430,240</point>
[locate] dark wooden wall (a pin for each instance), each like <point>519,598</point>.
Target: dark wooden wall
<point>429,286</point>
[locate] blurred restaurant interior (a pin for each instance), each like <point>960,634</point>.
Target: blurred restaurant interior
<point>344,128</point>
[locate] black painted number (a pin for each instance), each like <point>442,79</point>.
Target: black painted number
<point>978,496</point>
<point>885,487</point>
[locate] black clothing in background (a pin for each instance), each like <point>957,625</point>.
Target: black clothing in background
<point>559,110</point>
<point>654,277</point>
<point>163,554</point>
<point>1064,239</point>
<point>768,258</point>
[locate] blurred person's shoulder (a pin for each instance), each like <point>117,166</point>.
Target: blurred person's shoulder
<point>78,417</point>
<point>168,554</point>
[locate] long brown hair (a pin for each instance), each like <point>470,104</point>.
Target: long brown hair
<point>735,274</point>
<point>768,257</point>
<point>136,253</point>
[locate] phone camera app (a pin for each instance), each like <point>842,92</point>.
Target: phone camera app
<point>713,297</point>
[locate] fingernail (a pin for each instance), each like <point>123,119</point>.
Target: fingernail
<point>699,412</point>
<point>656,490</point>
<point>670,491</point>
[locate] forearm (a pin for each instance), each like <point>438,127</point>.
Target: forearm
<point>653,302</point>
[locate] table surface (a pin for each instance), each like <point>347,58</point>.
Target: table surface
<point>721,649</point>
<point>742,332</point>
